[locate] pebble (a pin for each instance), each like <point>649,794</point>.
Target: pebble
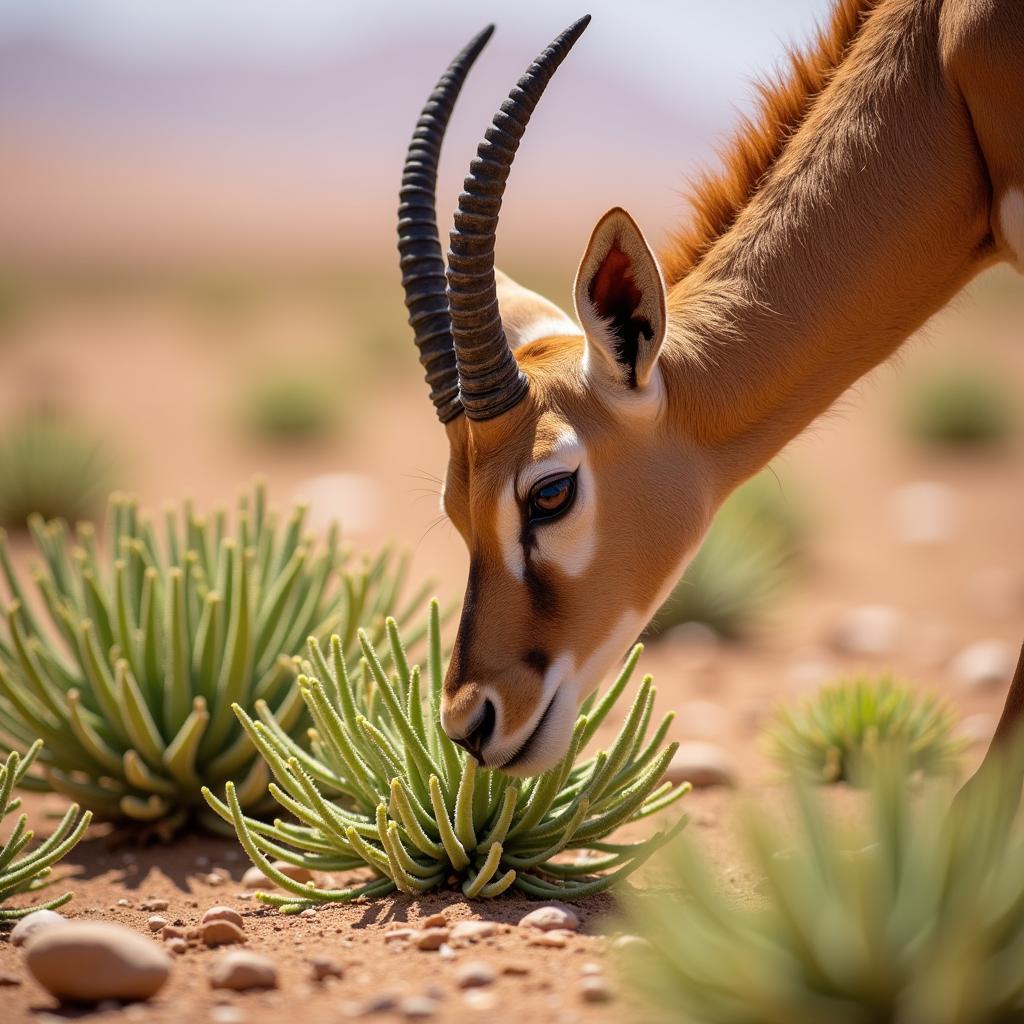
<point>125,903</point>
<point>177,946</point>
<point>924,513</point>
<point>473,931</point>
<point>399,934</point>
<point>223,914</point>
<point>630,944</point>
<point>985,663</point>
<point>213,878</point>
<point>221,933</point>
<point>445,952</point>
<point>555,939</point>
<point>871,630</point>
<point>702,764</point>
<point>91,961</point>
<point>153,904</point>
<point>6,978</point>
<point>480,999</point>
<point>515,968</point>
<point>594,989</point>
<point>325,967</point>
<point>31,924</point>
<point>255,879</point>
<point>430,938</point>
<point>418,1007</point>
<point>156,922</point>
<point>475,974</point>
<point>308,913</point>
<point>227,1014</point>
<point>549,918</point>
<point>241,970</point>
<point>434,921</point>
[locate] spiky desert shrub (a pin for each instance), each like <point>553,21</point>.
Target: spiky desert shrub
<point>290,407</point>
<point>131,675</point>
<point>26,872</point>
<point>959,407</point>
<point>916,916</point>
<point>835,734</point>
<point>747,557</point>
<point>419,810</point>
<point>51,467</point>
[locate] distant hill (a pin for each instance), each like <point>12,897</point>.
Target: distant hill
<point>123,163</point>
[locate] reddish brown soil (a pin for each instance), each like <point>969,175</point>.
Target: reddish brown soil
<point>161,378</point>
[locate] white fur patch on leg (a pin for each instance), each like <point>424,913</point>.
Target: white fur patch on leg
<point>1011,222</point>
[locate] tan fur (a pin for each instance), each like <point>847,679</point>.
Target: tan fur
<point>868,194</point>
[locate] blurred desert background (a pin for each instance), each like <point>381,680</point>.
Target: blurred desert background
<point>198,283</point>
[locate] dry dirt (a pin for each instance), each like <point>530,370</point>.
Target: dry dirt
<point>104,360</point>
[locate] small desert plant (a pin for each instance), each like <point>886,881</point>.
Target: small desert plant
<point>290,407</point>
<point>835,735</point>
<point>149,645</point>
<point>29,873</point>
<point>914,917</point>
<point>419,811</point>
<point>959,407</point>
<point>747,556</point>
<point>51,467</point>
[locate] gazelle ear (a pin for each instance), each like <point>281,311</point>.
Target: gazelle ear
<point>527,316</point>
<point>620,301</point>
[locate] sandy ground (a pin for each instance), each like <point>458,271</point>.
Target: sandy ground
<point>162,381</point>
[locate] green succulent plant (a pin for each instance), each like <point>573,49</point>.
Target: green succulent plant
<point>835,734</point>
<point>747,557</point>
<point>26,872</point>
<point>417,810</point>
<point>913,916</point>
<point>959,407</point>
<point>51,467</point>
<point>291,407</point>
<point>130,670</point>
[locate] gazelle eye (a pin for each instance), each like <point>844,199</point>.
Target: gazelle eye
<point>552,497</point>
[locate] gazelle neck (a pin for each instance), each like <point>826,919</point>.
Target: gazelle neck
<point>875,214</point>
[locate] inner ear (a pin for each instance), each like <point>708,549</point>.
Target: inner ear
<point>617,298</point>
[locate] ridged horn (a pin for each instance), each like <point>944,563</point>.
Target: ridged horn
<point>490,381</point>
<point>419,244</point>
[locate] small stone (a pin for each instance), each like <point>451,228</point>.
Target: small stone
<point>223,914</point>
<point>325,967</point>
<point>473,931</point>
<point>515,968</point>
<point>986,663</point>
<point>152,905</point>
<point>434,921</point>
<point>241,970</point>
<point>418,1007</point>
<point>32,924</point>
<point>591,967</point>
<point>550,918</point>
<point>213,878</point>
<point>924,513</point>
<point>480,999</point>
<point>156,922</point>
<point>701,764</point>
<point>8,979</point>
<point>177,946</point>
<point>555,940</point>
<point>255,879</point>
<point>475,974</point>
<point>630,944</point>
<point>221,933</point>
<point>308,913</point>
<point>872,630</point>
<point>594,989</point>
<point>430,938</point>
<point>399,934</point>
<point>227,1014</point>
<point>91,961</point>
<point>124,903</point>
<point>172,931</point>
<point>445,952</point>
<point>380,1003</point>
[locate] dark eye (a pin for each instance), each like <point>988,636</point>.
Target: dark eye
<point>550,498</point>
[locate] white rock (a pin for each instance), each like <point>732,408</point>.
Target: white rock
<point>594,989</point>
<point>924,512</point>
<point>156,922</point>
<point>241,970</point>
<point>475,974</point>
<point>985,663</point>
<point>472,931</point>
<point>418,1007</point>
<point>352,500</point>
<point>702,764</point>
<point>91,961</point>
<point>222,914</point>
<point>551,917</point>
<point>871,630</point>
<point>32,924</point>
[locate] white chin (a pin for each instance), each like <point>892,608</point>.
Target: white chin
<point>547,746</point>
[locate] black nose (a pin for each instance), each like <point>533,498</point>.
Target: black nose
<point>476,739</point>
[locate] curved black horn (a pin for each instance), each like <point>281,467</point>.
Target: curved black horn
<point>490,381</point>
<point>419,244</point>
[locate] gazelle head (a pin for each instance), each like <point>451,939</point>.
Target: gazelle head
<point>562,478</point>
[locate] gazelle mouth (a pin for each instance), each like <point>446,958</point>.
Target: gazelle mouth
<point>522,753</point>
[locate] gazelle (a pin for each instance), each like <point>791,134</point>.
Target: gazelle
<point>588,455</point>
